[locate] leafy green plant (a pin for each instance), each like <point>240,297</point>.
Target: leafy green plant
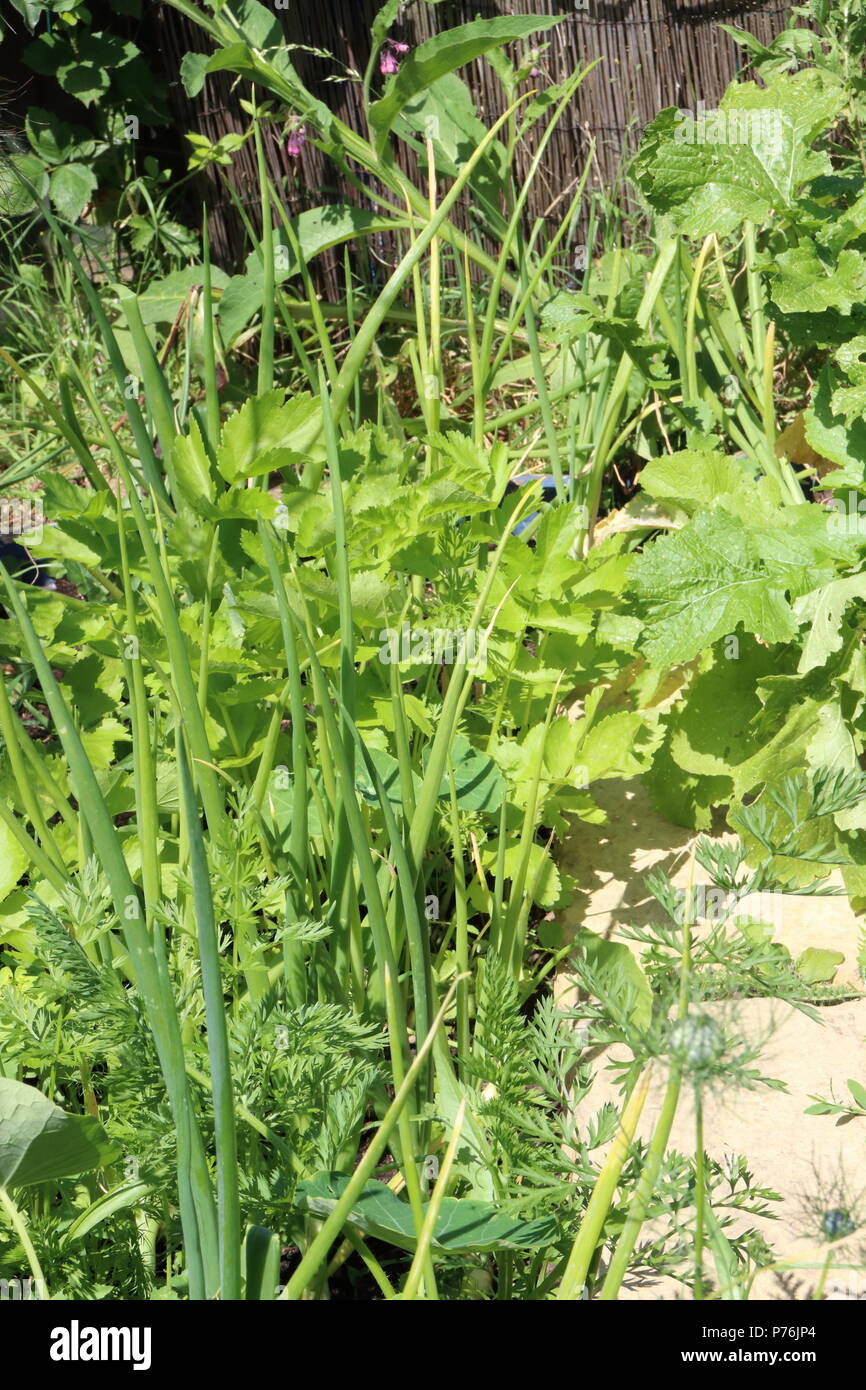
<point>289,753</point>
<point>89,169</point>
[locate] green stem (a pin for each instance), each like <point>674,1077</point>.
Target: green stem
<point>700,1193</point>
<point>266,338</point>
<point>822,1281</point>
<point>643,1192</point>
<point>365,1170</point>
<point>362,345</point>
<point>592,1225</point>
<point>19,1225</point>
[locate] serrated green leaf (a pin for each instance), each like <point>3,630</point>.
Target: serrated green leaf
<point>191,466</point>
<point>804,283</point>
<point>70,189</point>
<point>193,70</point>
<point>753,158</point>
<point>702,584</point>
<point>822,610</point>
<point>268,433</point>
<point>830,435</point>
<point>694,480</point>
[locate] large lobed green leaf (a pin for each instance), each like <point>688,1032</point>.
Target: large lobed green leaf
<point>751,159</point>
<point>702,584</point>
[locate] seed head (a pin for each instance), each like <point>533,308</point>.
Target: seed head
<point>837,1223</point>
<point>696,1041</point>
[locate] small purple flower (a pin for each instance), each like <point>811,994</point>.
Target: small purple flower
<point>297,138</point>
<point>389,58</point>
<point>534,57</point>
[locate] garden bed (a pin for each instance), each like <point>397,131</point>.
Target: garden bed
<point>433,720</point>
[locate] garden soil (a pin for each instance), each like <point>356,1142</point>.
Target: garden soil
<point>812,1162</point>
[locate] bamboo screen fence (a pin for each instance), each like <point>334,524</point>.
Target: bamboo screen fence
<point>655,53</point>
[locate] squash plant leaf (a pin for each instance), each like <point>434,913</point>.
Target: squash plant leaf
<point>703,583</point>
<point>749,159</point>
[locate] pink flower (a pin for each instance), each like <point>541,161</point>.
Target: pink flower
<point>297,138</point>
<point>534,56</point>
<point>389,58</point>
